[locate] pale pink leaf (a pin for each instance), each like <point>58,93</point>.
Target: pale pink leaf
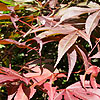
<point>64,45</point>
<point>72,57</point>
<point>97,55</point>
<point>11,75</point>
<point>40,29</point>
<point>76,92</point>
<point>72,12</point>
<point>57,30</point>
<point>51,90</point>
<point>84,57</point>
<point>11,96</point>
<point>53,3</point>
<point>37,72</point>
<point>93,70</point>
<point>20,95</point>
<point>11,41</point>
<point>93,81</point>
<point>96,92</point>
<point>32,91</point>
<point>24,93</point>
<point>67,96</point>
<point>82,78</point>
<point>5,78</point>
<point>47,21</point>
<point>84,36</point>
<point>36,76</point>
<point>92,21</point>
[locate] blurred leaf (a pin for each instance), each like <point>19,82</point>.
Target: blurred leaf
<point>3,7</point>
<point>23,0</point>
<point>1,46</point>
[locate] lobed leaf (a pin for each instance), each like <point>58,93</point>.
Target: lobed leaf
<point>91,22</point>
<point>72,12</point>
<point>84,36</point>
<point>20,95</point>
<point>51,90</point>
<point>11,75</point>
<point>84,57</point>
<point>76,92</point>
<point>97,55</point>
<point>72,57</point>
<point>64,45</point>
<point>57,30</point>
<point>93,70</point>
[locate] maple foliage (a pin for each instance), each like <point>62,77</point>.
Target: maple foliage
<point>32,30</point>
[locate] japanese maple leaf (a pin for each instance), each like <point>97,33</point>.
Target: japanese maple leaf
<point>72,12</point>
<point>51,91</point>
<point>92,21</point>
<point>24,93</point>
<point>11,75</point>
<point>84,57</point>
<point>97,55</point>
<point>93,70</point>
<point>20,92</point>
<point>64,45</point>
<point>72,57</point>
<point>76,92</point>
<point>39,78</point>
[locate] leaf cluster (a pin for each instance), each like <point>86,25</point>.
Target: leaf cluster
<point>49,48</point>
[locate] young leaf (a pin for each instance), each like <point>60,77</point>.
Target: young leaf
<point>64,44</point>
<point>72,57</point>
<point>92,22</point>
